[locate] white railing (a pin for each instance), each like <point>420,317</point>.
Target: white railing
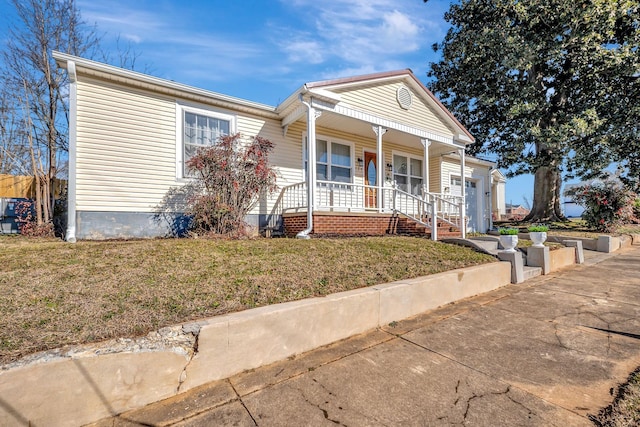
<point>292,198</point>
<point>412,206</point>
<point>348,197</point>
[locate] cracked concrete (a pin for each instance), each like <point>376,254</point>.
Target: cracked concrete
<point>544,353</point>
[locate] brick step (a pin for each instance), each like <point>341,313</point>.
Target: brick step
<point>408,227</point>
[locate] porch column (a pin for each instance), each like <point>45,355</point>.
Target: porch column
<point>379,130</point>
<point>311,156</point>
<point>463,188</point>
<point>425,163</point>
<point>312,115</point>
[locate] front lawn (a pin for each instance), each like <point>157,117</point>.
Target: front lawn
<point>55,293</point>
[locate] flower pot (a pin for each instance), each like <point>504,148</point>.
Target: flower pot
<point>538,238</point>
<point>509,242</point>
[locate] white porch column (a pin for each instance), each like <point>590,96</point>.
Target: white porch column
<point>379,130</point>
<point>463,188</point>
<point>312,115</point>
<point>425,162</point>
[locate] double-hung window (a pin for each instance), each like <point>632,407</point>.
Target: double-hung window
<point>200,128</point>
<point>407,173</point>
<point>333,161</point>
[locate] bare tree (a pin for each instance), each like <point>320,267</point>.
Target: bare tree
<point>33,78</point>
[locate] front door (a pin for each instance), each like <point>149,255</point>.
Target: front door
<point>370,179</point>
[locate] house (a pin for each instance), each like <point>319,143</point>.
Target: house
<point>516,212</point>
<point>383,154</point>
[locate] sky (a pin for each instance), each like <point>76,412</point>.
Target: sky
<point>263,50</point>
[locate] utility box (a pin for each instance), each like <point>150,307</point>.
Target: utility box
<point>8,215</point>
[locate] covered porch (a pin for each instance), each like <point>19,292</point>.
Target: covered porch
<point>361,164</point>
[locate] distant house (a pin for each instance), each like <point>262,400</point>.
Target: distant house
<point>515,212</point>
<point>359,155</point>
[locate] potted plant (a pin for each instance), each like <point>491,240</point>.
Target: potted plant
<point>508,239</point>
<point>538,235</point>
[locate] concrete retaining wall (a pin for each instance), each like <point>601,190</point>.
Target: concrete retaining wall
<point>561,258</point>
<point>88,383</point>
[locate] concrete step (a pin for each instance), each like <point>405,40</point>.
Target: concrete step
<point>531,272</point>
<point>490,245</point>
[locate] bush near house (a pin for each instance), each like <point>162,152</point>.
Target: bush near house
<point>230,178</point>
<point>608,205</point>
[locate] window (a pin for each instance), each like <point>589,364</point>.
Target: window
<point>199,128</point>
<point>333,161</point>
<point>407,173</point>
<point>456,182</point>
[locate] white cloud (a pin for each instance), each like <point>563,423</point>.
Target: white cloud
<point>365,35</point>
<point>304,51</point>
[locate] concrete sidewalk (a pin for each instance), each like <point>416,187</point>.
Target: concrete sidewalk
<point>547,352</point>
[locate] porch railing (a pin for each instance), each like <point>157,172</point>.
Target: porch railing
<point>348,197</point>
<point>427,209</point>
<point>292,198</point>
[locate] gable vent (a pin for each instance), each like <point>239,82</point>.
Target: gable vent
<point>403,95</point>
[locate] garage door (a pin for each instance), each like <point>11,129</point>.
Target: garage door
<point>471,201</point>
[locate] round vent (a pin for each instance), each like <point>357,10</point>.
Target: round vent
<point>404,97</point>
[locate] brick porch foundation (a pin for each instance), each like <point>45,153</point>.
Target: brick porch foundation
<point>362,224</point>
<point>331,223</point>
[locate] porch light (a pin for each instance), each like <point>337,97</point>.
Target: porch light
<point>360,162</point>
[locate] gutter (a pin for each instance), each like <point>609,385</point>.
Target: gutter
<point>70,235</point>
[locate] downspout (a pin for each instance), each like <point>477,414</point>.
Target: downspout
<point>311,167</point>
<point>490,198</point>
<point>70,235</point>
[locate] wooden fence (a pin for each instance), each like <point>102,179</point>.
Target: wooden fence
<point>20,186</point>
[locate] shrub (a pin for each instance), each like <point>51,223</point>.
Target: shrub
<point>539,228</point>
<point>231,178</point>
<point>27,223</point>
<point>508,231</point>
<point>607,205</point>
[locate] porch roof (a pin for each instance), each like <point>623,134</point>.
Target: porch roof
<point>343,117</point>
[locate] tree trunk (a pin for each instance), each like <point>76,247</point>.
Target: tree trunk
<point>546,196</point>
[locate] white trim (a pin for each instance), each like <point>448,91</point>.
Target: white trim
<point>347,111</point>
<point>201,110</point>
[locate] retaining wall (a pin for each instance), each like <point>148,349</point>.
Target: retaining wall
<point>83,384</point>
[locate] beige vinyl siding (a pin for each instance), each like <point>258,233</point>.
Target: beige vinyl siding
<point>435,173</point>
<point>126,150</point>
<point>286,156</point>
<point>125,147</point>
<point>380,100</point>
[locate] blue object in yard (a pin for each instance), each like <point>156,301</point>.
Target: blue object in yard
<point>8,215</point>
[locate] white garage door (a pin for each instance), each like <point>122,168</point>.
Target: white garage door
<point>471,201</point>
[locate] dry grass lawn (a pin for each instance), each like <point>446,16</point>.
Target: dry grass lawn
<point>54,293</point>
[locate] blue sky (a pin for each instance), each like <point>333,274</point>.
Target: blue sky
<point>263,50</point>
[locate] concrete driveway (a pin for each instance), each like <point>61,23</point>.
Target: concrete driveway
<point>548,352</point>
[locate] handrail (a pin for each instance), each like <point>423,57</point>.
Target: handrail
<point>295,195</point>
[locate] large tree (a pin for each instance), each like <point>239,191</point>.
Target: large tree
<point>35,87</point>
<point>543,85</point>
